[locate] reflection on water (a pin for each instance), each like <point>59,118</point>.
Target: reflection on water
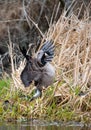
<point>43,125</point>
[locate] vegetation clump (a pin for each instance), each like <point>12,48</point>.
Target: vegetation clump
<point>69,98</point>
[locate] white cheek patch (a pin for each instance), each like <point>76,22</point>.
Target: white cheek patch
<point>37,94</point>
<point>46,54</point>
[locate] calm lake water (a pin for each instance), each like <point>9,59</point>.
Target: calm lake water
<point>43,125</point>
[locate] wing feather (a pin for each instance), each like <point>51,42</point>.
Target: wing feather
<point>46,52</point>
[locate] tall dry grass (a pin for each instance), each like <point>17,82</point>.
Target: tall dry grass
<point>72,62</point>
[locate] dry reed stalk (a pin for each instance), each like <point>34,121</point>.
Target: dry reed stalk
<point>10,47</point>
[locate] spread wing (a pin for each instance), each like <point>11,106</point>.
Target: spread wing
<point>46,53</point>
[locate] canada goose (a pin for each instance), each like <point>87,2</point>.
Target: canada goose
<point>39,69</point>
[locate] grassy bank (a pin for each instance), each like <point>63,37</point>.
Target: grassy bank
<point>69,98</point>
<point>64,107</point>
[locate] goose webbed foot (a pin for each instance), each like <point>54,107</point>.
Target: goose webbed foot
<point>37,94</point>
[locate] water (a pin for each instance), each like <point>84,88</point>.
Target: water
<point>43,125</point>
